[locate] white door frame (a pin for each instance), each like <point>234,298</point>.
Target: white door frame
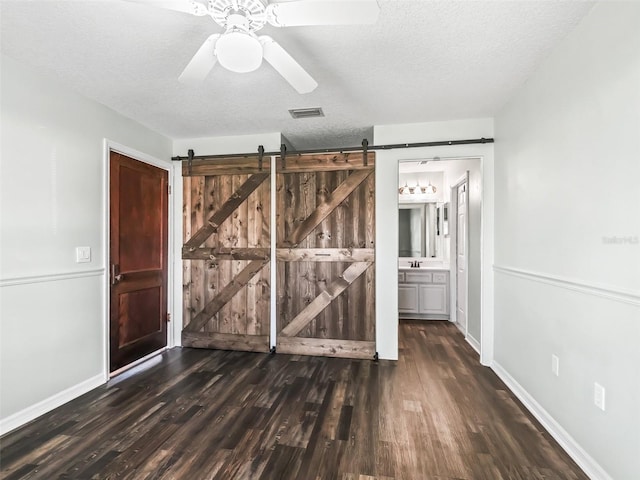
<point>109,146</point>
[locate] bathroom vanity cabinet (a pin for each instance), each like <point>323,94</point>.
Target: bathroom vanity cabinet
<point>423,293</point>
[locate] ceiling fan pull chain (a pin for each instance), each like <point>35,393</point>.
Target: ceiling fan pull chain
<point>365,154</point>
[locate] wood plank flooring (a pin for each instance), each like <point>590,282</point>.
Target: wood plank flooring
<point>436,414</point>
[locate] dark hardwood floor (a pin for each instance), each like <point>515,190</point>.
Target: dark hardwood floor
<point>199,414</point>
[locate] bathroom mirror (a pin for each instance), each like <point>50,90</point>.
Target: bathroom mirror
<point>419,230</point>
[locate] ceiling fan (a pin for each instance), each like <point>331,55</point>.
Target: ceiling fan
<point>240,50</point>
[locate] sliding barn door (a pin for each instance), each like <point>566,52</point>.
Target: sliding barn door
<point>226,254</point>
<point>325,255</point>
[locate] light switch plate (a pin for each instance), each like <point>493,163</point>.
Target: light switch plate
<point>555,365</point>
<point>599,395</point>
<point>83,254</point>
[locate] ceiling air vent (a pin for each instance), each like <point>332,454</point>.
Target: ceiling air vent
<point>434,159</point>
<point>306,112</point>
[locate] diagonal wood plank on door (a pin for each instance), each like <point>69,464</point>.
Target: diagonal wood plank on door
<point>334,289</point>
<point>226,294</point>
<point>324,209</point>
<point>227,208</point>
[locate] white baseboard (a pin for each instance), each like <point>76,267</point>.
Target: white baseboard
<point>593,470</point>
<point>475,344</point>
<point>34,411</point>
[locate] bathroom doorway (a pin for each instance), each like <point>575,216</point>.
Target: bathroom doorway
<point>439,267</point>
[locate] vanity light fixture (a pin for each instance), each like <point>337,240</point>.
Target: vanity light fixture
<point>429,189</point>
<point>417,190</point>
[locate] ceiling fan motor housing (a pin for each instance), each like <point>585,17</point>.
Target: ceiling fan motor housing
<point>223,11</point>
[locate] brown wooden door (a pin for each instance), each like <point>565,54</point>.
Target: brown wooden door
<point>138,258</point>
<point>325,215</point>
<point>227,205</point>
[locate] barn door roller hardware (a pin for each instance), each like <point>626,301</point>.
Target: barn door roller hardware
<point>190,164</point>
<point>260,156</point>
<point>365,154</point>
<point>283,155</point>
<point>283,149</point>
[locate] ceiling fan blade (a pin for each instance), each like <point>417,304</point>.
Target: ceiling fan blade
<point>193,7</point>
<point>201,63</point>
<point>323,12</point>
<point>286,66</point>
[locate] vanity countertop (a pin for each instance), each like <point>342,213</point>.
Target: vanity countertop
<point>440,266</point>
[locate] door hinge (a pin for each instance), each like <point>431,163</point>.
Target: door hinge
<point>168,317</point>
<point>169,189</point>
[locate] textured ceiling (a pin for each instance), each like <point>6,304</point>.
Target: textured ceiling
<point>422,61</point>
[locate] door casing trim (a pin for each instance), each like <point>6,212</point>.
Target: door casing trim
<point>108,147</point>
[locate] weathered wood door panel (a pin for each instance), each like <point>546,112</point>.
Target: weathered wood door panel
<point>226,255</point>
<point>138,195</point>
<point>325,214</point>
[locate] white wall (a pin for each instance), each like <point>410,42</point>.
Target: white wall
<point>228,145</point>
<point>567,170</point>
<point>387,217</point>
<point>52,313</point>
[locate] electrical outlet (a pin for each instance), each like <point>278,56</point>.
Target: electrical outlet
<point>83,254</point>
<point>598,395</point>
<point>555,365</point>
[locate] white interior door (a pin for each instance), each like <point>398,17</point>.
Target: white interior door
<point>461,257</point>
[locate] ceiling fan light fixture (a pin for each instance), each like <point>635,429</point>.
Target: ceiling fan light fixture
<point>239,51</point>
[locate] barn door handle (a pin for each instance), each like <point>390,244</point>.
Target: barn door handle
<point>115,276</point>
